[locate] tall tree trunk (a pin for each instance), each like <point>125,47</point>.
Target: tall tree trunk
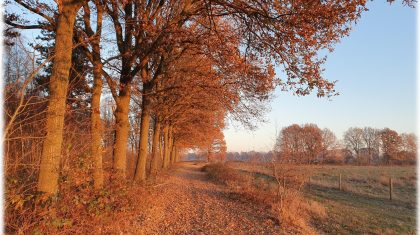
<point>161,151</point>
<point>166,147</point>
<point>51,151</point>
<point>171,144</point>
<point>96,127</point>
<point>155,147</point>
<point>121,130</point>
<point>173,151</point>
<point>140,173</point>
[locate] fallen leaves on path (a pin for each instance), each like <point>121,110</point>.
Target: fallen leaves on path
<point>188,203</point>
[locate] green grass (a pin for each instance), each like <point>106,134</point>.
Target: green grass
<point>352,213</point>
<point>363,207</point>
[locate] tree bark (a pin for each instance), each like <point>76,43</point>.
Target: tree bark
<point>161,150</point>
<point>166,147</point>
<point>121,130</point>
<point>171,144</point>
<point>140,172</point>
<point>155,148</point>
<point>51,151</point>
<point>173,151</point>
<point>96,127</point>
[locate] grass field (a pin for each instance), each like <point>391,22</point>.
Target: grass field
<point>363,206</point>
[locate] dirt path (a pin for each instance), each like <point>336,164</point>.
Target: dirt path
<point>188,203</point>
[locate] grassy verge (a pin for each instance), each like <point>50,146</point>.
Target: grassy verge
<point>295,214</point>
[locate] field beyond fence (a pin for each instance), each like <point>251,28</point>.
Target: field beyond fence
<point>363,204</point>
<point>372,181</point>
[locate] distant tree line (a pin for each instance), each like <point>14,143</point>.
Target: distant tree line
<point>252,156</point>
<point>309,144</point>
<point>380,146</point>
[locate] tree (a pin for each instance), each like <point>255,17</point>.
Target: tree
<point>329,143</point>
<point>409,142</point>
<point>408,148</point>
<point>50,161</point>
<point>289,143</point>
<point>154,167</point>
<point>312,139</point>
<point>391,143</point>
<point>95,58</point>
<point>371,139</point>
<point>66,16</point>
<point>300,144</point>
<point>353,139</point>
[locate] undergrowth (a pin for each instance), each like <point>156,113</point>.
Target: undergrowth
<point>77,209</point>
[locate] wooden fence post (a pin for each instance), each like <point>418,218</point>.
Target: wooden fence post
<point>339,183</point>
<point>390,188</point>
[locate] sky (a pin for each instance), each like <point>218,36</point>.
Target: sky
<point>376,71</point>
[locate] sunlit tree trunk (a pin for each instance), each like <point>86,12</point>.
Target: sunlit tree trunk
<point>161,150</point>
<point>121,130</point>
<point>140,173</point>
<point>170,144</point>
<point>166,146</point>
<point>155,147</point>
<point>96,119</point>
<point>51,151</point>
<point>173,150</point>
<point>96,126</point>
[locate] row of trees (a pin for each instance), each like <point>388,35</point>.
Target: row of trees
<point>309,144</point>
<point>370,145</point>
<point>174,70</point>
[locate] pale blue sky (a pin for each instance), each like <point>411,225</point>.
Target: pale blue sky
<point>376,69</point>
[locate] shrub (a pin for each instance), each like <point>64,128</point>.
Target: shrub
<point>295,213</point>
<point>236,179</point>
